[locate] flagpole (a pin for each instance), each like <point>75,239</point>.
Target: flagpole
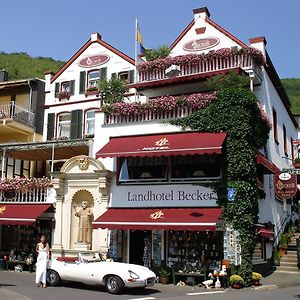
<point>136,49</point>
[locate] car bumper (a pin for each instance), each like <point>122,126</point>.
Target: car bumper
<point>141,283</point>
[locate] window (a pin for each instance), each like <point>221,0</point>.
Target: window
<point>194,167</point>
<point>275,131</point>
<point>90,122</point>
<point>64,125</point>
<point>143,169</point>
<point>171,169</point>
<point>93,79</point>
<point>65,87</point>
<point>284,140</point>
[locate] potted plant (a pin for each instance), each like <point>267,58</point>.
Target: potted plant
<point>283,244</point>
<point>256,277</point>
<point>236,281</point>
<point>297,162</point>
<point>164,274</point>
<point>276,258</point>
<point>63,95</point>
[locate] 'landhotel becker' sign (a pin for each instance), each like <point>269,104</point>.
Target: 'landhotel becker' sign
<point>180,195</point>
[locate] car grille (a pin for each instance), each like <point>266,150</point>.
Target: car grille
<point>151,280</point>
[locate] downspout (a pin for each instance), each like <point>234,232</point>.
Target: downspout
<point>30,95</point>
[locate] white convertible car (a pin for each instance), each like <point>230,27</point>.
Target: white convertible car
<point>90,270</point>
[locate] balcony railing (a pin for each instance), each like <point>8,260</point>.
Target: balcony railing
<point>15,112</point>
<point>214,64</point>
<point>149,116</point>
<point>37,195</point>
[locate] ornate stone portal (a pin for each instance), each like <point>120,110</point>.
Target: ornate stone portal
<point>83,188</point>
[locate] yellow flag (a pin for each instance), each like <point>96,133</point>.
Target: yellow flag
<point>139,37</point>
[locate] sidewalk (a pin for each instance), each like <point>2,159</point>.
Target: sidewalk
<point>281,280</point>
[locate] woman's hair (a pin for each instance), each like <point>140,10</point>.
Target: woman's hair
<point>42,235</point>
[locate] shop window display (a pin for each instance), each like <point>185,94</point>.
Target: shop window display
<point>195,252</point>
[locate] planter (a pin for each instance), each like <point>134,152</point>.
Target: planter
<point>282,251</point>
<point>92,92</point>
<point>297,165</point>
<point>236,286</point>
<point>256,283</point>
<point>164,280</point>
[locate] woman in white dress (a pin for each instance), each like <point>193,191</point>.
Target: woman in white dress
<point>42,248</point>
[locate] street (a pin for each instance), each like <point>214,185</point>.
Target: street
<point>20,286</point>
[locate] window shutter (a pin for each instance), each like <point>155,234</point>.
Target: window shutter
<point>50,126</point>
<point>82,82</point>
<point>131,76</point>
<point>103,73</point>
<point>113,75</point>
<point>56,89</point>
<point>76,124</point>
<point>72,87</point>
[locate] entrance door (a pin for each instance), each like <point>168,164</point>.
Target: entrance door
<point>137,246</point>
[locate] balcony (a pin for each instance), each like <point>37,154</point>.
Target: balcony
<point>149,116</point>
<point>191,65</point>
<point>13,112</point>
<point>23,190</point>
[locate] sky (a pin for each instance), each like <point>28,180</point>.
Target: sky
<point>58,28</point>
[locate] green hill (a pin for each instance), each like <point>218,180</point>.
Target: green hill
<point>22,66</point>
<point>292,87</point>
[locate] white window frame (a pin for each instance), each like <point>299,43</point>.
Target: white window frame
<point>89,119</point>
<point>65,123</point>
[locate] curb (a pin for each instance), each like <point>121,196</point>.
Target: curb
<point>266,287</point>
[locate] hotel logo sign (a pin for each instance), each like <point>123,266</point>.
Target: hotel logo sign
<point>201,44</point>
<point>162,144</point>
<point>94,61</point>
<point>157,215</point>
<point>2,209</point>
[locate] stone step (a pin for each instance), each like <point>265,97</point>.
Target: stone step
<point>288,260</point>
<point>288,269</point>
<point>288,263</point>
<point>258,261</point>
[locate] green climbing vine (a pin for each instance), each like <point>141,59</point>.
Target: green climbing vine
<point>236,111</point>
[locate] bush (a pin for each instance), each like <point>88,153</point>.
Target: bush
<point>236,279</point>
<point>256,276</point>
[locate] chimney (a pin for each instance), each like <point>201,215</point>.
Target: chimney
<point>95,36</point>
<point>3,75</point>
<point>201,12</point>
<point>259,43</point>
<point>48,75</point>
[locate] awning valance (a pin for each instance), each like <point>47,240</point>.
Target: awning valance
<point>159,218</point>
<point>268,166</point>
<point>21,214</point>
<point>180,143</point>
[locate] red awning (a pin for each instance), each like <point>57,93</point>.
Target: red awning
<point>267,233</point>
<point>268,166</point>
<point>159,218</point>
<point>21,214</point>
<point>180,143</point>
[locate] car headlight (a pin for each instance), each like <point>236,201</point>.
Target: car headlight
<point>133,275</point>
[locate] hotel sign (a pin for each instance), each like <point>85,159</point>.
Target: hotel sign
<point>94,61</point>
<point>285,189</point>
<point>177,195</point>
<point>201,44</point>
<point>162,144</point>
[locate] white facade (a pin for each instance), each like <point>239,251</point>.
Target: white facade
<point>199,34</point>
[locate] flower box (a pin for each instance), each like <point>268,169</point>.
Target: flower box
<point>63,95</point>
<point>92,91</point>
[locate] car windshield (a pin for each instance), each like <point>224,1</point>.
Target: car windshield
<point>90,257</point>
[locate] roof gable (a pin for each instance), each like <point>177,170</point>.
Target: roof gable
<point>203,35</point>
<point>86,46</point>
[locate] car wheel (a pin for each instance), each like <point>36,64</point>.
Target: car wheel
<point>114,284</point>
<point>53,278</point>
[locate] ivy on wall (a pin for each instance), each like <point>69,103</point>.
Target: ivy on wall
<point>236,111</point>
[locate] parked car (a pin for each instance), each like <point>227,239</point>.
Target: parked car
<point>91,270</point>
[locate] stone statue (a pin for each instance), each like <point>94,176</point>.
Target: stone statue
<point>85,215</point>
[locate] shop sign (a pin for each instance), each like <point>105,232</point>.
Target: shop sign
<point>179,195</point>
<point>201,44</point>
<point>285,188</point>
<point>285,176</point>
<point>230,194</point>
<point>94,61</point>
